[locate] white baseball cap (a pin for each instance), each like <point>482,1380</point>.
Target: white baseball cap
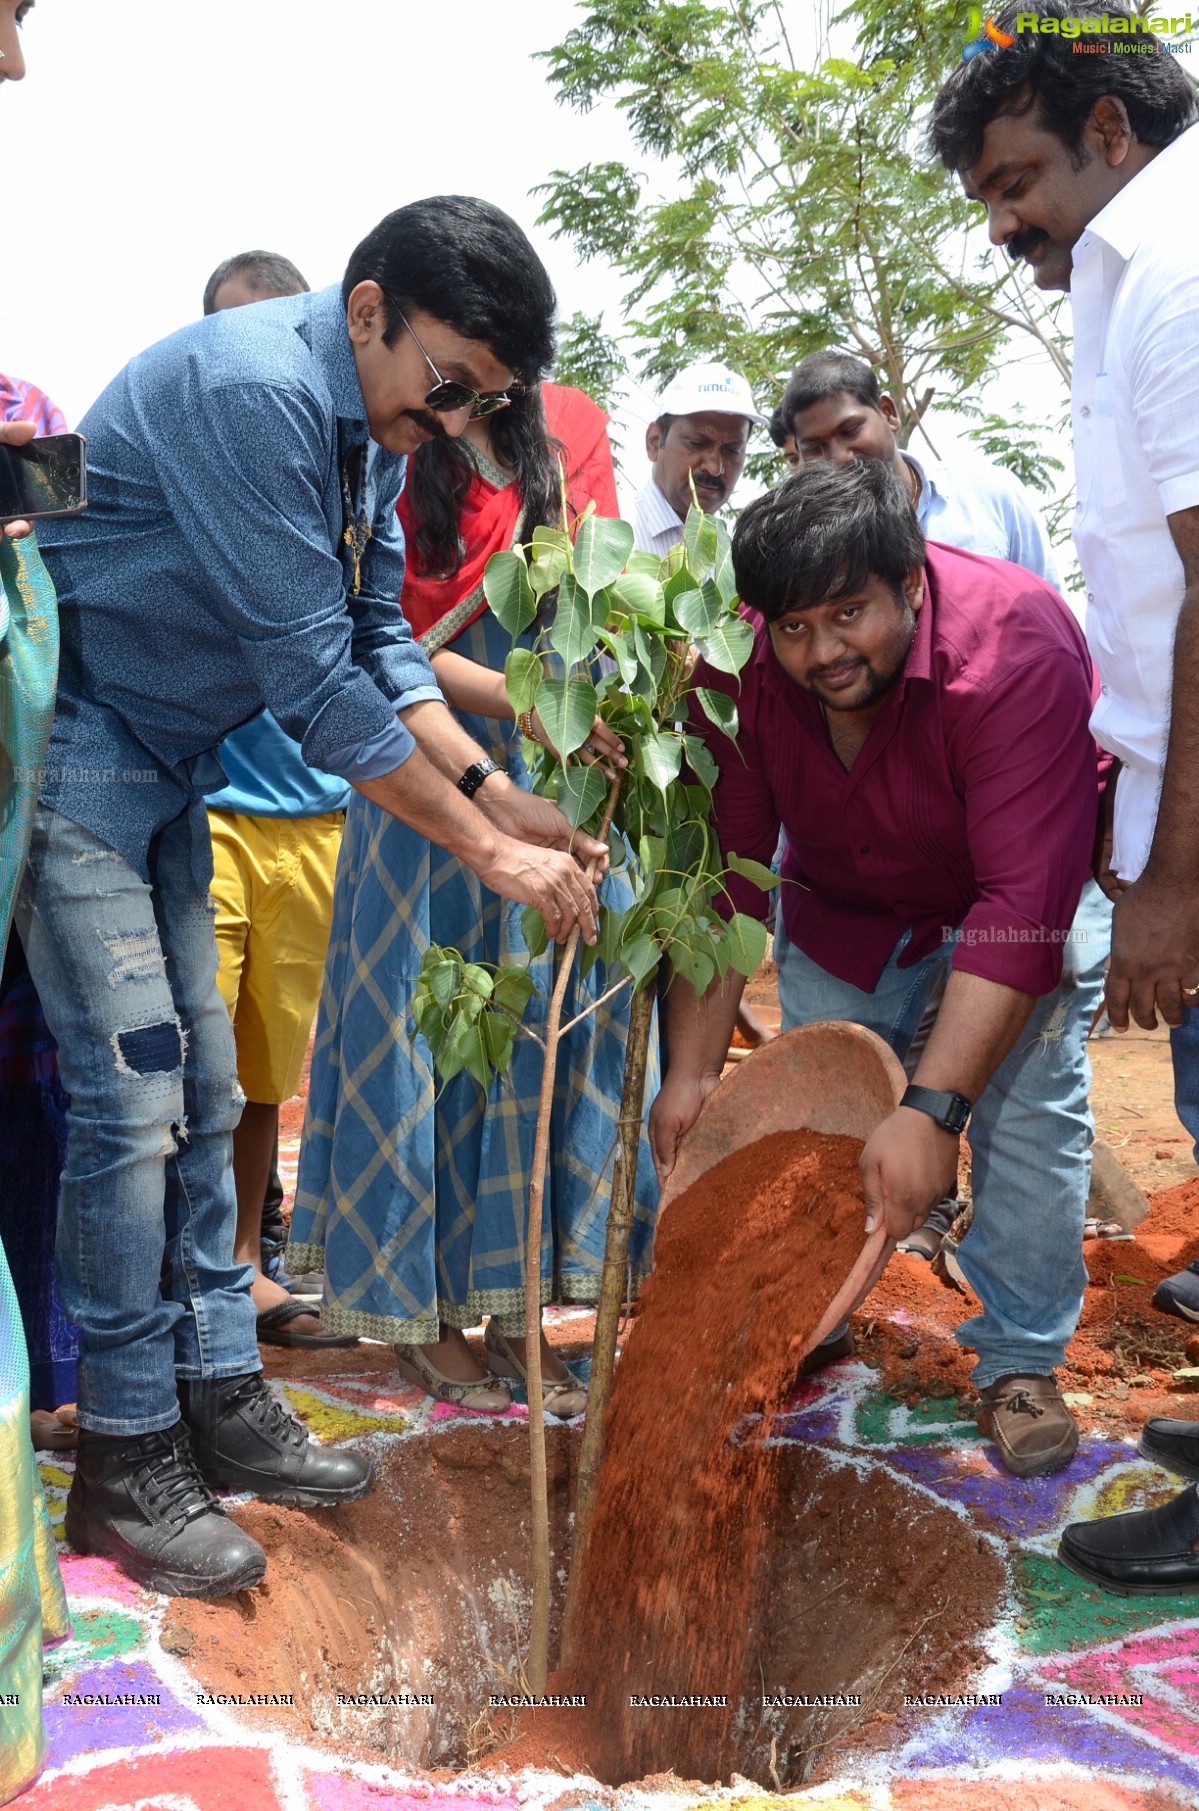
<point>704,387</point>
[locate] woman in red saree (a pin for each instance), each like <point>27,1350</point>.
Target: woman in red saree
<point>412,1194</point>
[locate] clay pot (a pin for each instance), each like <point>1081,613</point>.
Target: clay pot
<point>827,1077</point>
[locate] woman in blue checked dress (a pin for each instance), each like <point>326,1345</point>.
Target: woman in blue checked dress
<point>412,1196</point>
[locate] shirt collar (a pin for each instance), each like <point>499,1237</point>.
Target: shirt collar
<point>658,512</point>
<point>331,347</point>
<point>1162,185</point>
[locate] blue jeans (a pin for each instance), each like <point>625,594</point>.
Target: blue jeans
<point>1030,1136</point>
<point>127,977</point>
<point>1184,1048</point>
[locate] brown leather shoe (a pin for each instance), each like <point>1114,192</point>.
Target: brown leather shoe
<point>1033,1430</point>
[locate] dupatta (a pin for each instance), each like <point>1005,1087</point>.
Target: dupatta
<point>438,609</point>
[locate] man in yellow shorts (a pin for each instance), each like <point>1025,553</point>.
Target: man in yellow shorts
<point>276,830</point>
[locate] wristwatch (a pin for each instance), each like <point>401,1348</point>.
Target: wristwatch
<point>950,1111</point>
<point>475,775</point>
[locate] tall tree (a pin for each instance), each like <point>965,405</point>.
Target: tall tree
<point>792,204</point>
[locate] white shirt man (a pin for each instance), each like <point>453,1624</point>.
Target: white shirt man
<point>700,434</point>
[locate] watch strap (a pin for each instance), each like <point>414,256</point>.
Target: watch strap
<point>476,773</point>
<point>950,1111</point>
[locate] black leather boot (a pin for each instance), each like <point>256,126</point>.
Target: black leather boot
<point>139,1500</point>
<point>245,1440</point>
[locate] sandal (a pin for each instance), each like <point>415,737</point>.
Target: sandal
<point>487,1397</point>
<point>1105,1229</point>
<point>272,1327</point>
<point>562,1397</point>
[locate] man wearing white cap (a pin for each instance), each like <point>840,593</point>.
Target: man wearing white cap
<point>701,432</point>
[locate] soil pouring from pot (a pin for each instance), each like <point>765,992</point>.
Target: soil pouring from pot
<point>747,1606</point>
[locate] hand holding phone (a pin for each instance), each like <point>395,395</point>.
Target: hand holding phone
<point>46,477</point>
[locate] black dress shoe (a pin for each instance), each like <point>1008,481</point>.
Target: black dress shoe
<point>1174,1444</point>
<point>1151,1553</point>
<point>245,1440</point>
<point>139,1500</point>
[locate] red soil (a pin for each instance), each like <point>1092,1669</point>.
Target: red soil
<point>1123,1354</point>
<point>746,1262</point>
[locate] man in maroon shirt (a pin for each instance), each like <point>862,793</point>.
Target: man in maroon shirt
<point>915,719</point>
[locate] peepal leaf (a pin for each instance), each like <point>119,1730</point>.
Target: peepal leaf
<point>728,645</point>
<point>660,756</point>
<point>754,871</point>
<point>639,595</point>
<point>577,622</point>
<point>746,941</point>
<point>508,591</point>
<point>602,545</point>
<point>581,792</point>
<point>522,676</point>
<point>700,611</point>
<point>719,709</point>
<point>567,710</point>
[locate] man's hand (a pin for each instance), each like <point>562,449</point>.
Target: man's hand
<point>530,819</point>
<point>547,880</point>
<point>16,433</point>
<point>673,1113</point>
<point>909,1164</point>
<point>603,747</point>
<point>1155,952</point>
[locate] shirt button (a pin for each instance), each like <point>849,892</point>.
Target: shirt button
<point>1105,690</point>
<point>865,849</point>
<point>1086,409</point>
<point>1090,597</point>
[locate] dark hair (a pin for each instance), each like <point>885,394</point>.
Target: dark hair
<point>1041,69</point>
<point>268,272</point>
<point>468,264</point>
<point>777,428</point>
<point>439,475</point>
<point>824,374</point>
<point>822,533</point>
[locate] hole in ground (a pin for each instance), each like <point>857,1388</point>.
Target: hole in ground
<point>865,1589</point>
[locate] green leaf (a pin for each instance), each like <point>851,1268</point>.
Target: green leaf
<point>602,545</point>
<point>700,611</point>
<point>567,710</point>
<point>722,572</point>
<point>756,871</point>
<point>648,564</point>
<point>622,654</point>
<point>478,979</point>
<point>639,595</point>
<point>577,622</point>
<point>699,538</point>
<point>702,761</point>
<point>696,966</point>
<point>443,980</point>
<point>498,1036</point>
<point>728,646</point>
<point>514,988</point>
<point>747,941</point>
<point>532,929</point>
<point>719,708</point>
<point>522,676</point>
<point>508,591</point>
<point>641,958</point>
<point>547,539</point>
<point>581,793</point>
<point>611,930</point>
<point>660,757</point>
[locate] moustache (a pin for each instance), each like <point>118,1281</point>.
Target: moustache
<point>426,419</point>
<point>715,485</point>
<point>1025,242</point>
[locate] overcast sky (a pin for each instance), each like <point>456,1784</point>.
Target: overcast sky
<point>152,138</point>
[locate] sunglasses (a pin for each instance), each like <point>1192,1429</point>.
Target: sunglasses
<point>447,397</point>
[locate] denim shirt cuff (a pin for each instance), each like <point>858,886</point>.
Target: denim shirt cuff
<point>378,755</point>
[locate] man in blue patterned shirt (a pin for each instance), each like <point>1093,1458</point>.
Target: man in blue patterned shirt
<point>241,548</point>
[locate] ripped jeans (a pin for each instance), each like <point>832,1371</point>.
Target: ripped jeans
<point>127,978</point>
<point>1030,1136</point>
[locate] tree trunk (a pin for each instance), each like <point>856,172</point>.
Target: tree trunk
<point>539,1626</point>
<point>612,1292</point>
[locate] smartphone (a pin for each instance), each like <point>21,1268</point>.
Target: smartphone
<point>46,477</point>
